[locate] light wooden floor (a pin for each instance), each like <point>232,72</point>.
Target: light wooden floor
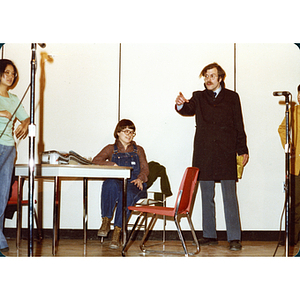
<point>104,271</point>
<point>75,248</point>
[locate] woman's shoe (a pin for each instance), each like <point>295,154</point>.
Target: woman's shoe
<point>105,227</point>
<point>115,241</point>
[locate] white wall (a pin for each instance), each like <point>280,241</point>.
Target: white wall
<point>81,111</point>
<point>261,70</point>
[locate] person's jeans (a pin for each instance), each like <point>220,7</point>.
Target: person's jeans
<point>7,157</point>
<point>231,209</point>
<point>112,195</point>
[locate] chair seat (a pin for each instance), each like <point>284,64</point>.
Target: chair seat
<point>15,202</point>
<point>165,211</point>
<point>149,202</point>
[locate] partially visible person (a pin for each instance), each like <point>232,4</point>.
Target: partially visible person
<point>8,104</point>
<point>126,153</point>
<point>294,123</point>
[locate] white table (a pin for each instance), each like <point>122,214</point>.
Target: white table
<point>85,172</point>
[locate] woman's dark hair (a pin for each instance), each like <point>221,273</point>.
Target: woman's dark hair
<point>3,64</point>
<point>122,125</point>
<point>298,88</point>
<point>221,72</point>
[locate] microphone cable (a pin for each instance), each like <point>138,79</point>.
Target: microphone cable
<point>280,228</point>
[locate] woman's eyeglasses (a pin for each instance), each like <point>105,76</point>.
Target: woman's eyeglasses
<point>8,73</point>
<point>129,132</point>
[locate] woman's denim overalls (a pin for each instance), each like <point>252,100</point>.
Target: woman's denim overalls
<point>112,188</point>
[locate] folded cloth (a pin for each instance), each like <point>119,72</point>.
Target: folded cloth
<point>240,167</point>
<point>157,170</point>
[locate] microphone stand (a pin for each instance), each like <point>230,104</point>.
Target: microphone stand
<point>287,175</point>
<point>31,163</point>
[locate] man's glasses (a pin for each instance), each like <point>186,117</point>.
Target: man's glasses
<point>211,76</point>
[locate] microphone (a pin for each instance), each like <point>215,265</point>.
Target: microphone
<point>284,93</point>
<point>42,45</point>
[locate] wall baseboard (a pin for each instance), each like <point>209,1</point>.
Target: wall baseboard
<point>154,235</point>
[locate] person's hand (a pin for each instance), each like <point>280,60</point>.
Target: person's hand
<point>181,99</point>
<point>245,160</point>
<point>5,114</point>
<point>138,182</point>
<point>22,130</point>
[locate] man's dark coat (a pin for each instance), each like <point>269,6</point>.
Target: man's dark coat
<point>220,134</point>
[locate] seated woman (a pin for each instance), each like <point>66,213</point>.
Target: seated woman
<point>124,152</point>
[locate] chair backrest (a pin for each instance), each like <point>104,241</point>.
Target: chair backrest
<point>186,190</point>
<point>14,194</point>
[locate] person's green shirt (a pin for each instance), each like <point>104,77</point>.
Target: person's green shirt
<point>10,104</point>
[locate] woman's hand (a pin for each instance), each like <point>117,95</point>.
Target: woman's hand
<point>138,182</point>
<point>5,114</point>
<point>22,130</point>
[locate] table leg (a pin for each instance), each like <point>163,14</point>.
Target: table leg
<point>124,212</point>
<point>85,209</point>
<point>19,210</point>
<point>56,207</point>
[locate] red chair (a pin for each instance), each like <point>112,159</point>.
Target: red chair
<point>182,208</point>
<point>13,201</point>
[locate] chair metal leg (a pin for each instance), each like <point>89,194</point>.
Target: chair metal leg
<point>180,235</point>
<point>165,221</point>
<point>19,210</point>
<point>40,237</point>
<point>194,234</point>
<point>144,248</point>
<point>150,226</point>
<point>56,214</point>
<point>131,234</point>
<point>85,209</point>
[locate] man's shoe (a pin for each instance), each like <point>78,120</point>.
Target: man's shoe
<point>208,241</point>
<point>235,245</point>
<point>115,241</point>
<point>105,227</point>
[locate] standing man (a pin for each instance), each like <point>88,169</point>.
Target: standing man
<point>294,168</point>
<point>219,138</point>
